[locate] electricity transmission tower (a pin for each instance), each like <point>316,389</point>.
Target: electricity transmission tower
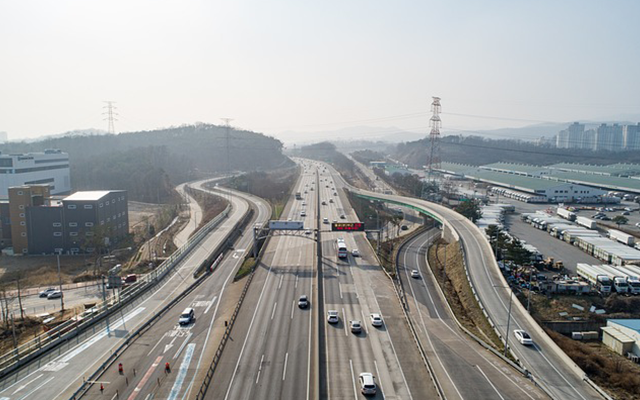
<point>111,116</point>
<point>434,140</point>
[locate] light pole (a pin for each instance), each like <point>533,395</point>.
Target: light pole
<point>60,283</point>
<point>506,340</point>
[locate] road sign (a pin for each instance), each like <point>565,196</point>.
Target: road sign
<point>286,225</point>
<point>347,226</point>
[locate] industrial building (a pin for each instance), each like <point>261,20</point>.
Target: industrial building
<point>623,337</point>
<point>41,224</point>
<point>527,185</point>
<point>48,168</point>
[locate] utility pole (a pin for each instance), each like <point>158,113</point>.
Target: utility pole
<point>110,116</point>
<point>20,301</point>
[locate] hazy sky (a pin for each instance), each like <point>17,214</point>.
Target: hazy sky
<point>301,65</point>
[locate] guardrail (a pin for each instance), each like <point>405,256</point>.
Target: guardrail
<point>69,329</point>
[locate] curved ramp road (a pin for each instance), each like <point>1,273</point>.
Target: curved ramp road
<point>465,369</point>
<point>58,374</point>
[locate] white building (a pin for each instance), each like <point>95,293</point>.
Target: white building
<point>623,337</point>
<point>48,168</point>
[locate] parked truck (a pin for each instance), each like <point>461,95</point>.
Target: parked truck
<point>622,237</point>
<point>598,280</point>
<point>619,280</point>
<point>632,273</point>
<point>587,222</point>
<point>566,214</point>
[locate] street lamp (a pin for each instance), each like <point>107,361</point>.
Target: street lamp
<point>60,282</point>
<point>506,341</point>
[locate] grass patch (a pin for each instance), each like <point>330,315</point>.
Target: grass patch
<point>278,208</point>
<point>457,290</point>
<point>245,268</point>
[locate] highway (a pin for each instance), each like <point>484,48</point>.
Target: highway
<point>58,374</point>
<point>465,369</point>
<point>547,363</point>
<point>356,287</point>
<point>270,352</point>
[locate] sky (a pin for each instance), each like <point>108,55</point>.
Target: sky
<point>294,68</point>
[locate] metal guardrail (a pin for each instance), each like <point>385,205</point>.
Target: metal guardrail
<point>61,333</point>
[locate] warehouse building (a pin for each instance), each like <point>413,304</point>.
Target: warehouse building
<point>49,168</point>
<point>623,337</point>
<point>607,250</point>
<point>527,187</point>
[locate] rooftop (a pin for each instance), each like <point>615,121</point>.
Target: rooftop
<point>628,323</point>
<point>87,196</point>
<point>611,182</point>
<point>613,169</point>
<point>516,168</point>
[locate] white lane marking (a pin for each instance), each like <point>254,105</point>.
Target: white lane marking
<point>310,325</point>
<point>210,304</point>
<point>353,379</point>
<point>346,322</point>
<point>182,346</point>
<point>259,369</point>
<point>248,331</point>
<point>28,383</point>
<point>488,380</point>
<point>364,322</point>
<point>293,307</point>
<point>380,378</point>
<point>340,289</point>
<point>284,371</point>
<point>274,310</point>
<point>182,373</point>
<point>38,387</point>
<point>296,280</point>
<point>167,347</point>
<point>157,344</point>
<point>280,284</point>
<point>286,257</point>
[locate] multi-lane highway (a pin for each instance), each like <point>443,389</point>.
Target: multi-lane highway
<point>464,369</point>
<point>58,374</point>
<point>549,366</point>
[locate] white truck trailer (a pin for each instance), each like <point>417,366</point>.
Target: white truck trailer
<point>619,279</point>
<point>566,214</point>
<point>632,274</point>
<point>586,222</point>
<point>596,278</point>
<point>622,237</point>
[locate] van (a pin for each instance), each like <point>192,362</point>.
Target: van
<point>188,316</point>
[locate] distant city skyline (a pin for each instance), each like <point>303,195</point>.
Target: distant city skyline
<point>287,66</point>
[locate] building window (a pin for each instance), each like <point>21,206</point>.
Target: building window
<point>89,234</point>
<point>71,206</point>
<point>101,205</point>
<point>89,224</point>
<point>75,250</point>
<point>88,206</point>
<point>22,223</point>
<point>73,233</point>
<point>109,219</point>
<point>20,193</point>
<point>57,234</point>
<point>21,215</point>
<point>21,207</point>
<point>23,234</point>
<point>89,249</point>
<point>57,224</point>
<point>73,224</point>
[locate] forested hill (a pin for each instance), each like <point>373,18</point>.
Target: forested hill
<point>149,163</point>
<point>476,150</point>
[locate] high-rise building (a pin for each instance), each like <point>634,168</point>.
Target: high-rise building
<point>609,137</point>
<point>48,168</point>
<point>631,135</point>
<point>3,137</point>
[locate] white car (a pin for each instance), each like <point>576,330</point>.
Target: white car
<point>333,317</point>
<point>356,326</point>
<point>376,320</point>
<point>415,273</point>
<point>355,253</point>
<point>367,383</point>
<point>46,292</point>
<point>56,294</point>
<point>523,337</point>
<point>325,220</point>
